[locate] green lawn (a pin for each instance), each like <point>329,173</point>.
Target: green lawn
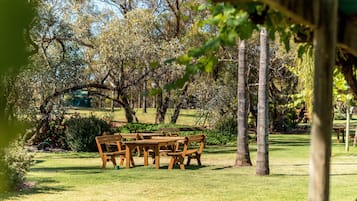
<point>78,176</point>
<point>187,117</point>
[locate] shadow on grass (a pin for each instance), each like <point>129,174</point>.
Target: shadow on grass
<point>233,149</point>
<point>44,186</point>
<point>289,175</point>
<point>189,115</point>
<point>189,167</point>
<point>80,155</point>
<point>71,169</point>
<point>226,167</point>
<point>289,143</point>
<point>216,149</point>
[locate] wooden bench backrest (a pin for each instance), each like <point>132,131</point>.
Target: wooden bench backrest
<point>189,140</point>
<point>130,136</point>
<point>108,140</point>
<point>170,131</point>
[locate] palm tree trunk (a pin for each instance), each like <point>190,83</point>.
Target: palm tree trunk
<point>243,156</point>
<point>325,47</point>
<point>263,119</point>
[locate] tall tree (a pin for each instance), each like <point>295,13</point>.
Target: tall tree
<point>243,156</point>
<point>263,118</point>
<point>325,36</point>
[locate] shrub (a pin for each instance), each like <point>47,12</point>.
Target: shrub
<point>81,132</point>
<point>225,131</point>
<point>53,136</point>
<point>340,116</point>
<point>218,138</point>
<point>15,161</point>
<point>227,125</point>
<point>138,127</point>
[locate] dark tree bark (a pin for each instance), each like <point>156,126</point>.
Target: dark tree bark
<point>178,106</point>
<point>127,108</point>
<point>162,105</point>
<point>243,156</point>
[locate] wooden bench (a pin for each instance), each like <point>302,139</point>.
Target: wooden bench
<point>170,131</point>
<point>110,146</point>
<point>192,149</point>
<point>130,137</point>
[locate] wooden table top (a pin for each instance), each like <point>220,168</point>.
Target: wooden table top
<point>150,141</point>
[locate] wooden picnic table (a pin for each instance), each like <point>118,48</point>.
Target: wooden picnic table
<point>340,130</point>
<point>154,144</point>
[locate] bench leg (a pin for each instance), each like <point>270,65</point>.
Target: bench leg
<point>177,159</point>
<point>122,158</point>
<point>188,160</point>
<point>181,162</point>
<point>172,162</point>
<point>132,161</point>
<point>198,156</point>
<point>112,158</point>
<point>104,161</point>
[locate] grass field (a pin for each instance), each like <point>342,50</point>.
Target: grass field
<point>78,176</point>
<point>187,117</point>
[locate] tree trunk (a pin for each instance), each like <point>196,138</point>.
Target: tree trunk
<point>159,103</point>
<point>162,105</point>
<point>128,111</point>
<point>325,47</point>
<point>178,106</point>
<point>144,99</point>
<point>112,101</point>
<point>243,156</point>
<point>145,88</point>
<point>263,119</point>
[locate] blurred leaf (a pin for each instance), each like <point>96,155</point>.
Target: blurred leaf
<point>185,59</point>
<point>170,61</point>
<point>15,16</point>
<point>207,63</point>
<point>196,52</point>
<point>212,44</point>
<point>179,83</point>
<point>155,91</point>
<point>154,64</point>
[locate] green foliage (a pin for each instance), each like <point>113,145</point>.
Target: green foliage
<point>339,116</point>
<point>15,16</point>
<point>15,161</point>
<point>54,135</point>
<point>227,125</point>
<point>284,119</point>
<point>225,132</point>
<point>230,22</point>
<point>138,127</point>
<point>219,138</point>
<point>81,132</point>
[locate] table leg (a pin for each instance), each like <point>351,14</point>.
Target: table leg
<point>146,156</point>
<point>343,135</point>
<point>127,156</point>
<point>338,135</point>
<point>157,157</point>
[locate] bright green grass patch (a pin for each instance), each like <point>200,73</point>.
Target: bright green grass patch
<point>78,176</point>
<point>187,117</point>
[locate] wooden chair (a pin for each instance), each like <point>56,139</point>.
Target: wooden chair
<point>170,131</point>
<point>189,150</point>
<point>132,136</point>
<point>109,146</point>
